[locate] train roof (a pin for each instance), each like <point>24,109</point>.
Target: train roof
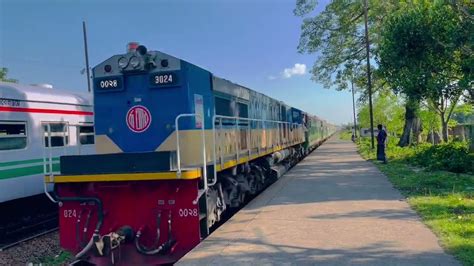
<point>240,91</point>
<point>40,93</point>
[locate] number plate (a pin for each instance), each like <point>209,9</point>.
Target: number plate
<point>188,212</point>
<point>164,79</point>
<point>109,84</point>
<point>70,213</point>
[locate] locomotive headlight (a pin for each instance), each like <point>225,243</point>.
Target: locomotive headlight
<point>134,61</point>
<point>123,62</point>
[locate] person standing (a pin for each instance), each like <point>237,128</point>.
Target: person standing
<point>381,138</point>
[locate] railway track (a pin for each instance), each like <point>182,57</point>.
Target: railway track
<point>38,247</point>
<point>23,224</point>
<point>17,242</point>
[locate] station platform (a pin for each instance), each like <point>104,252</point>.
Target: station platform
<point>333,208</point>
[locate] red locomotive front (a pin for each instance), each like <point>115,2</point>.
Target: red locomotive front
<point>129,222</point>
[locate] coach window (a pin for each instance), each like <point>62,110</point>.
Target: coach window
<point>59,134</point>
<point>12,135</point>
<point>86,134</point>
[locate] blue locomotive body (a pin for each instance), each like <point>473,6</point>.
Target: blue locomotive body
<point>116,92</point>
<point>166,87</point>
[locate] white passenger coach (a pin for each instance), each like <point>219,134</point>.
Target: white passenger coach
<point>26,113</point>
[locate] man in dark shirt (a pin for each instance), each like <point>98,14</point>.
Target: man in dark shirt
<point>381,137</point>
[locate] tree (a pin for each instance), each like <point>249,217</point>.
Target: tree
<point>388,111</point>
<point>420,57</point>
<point>3,75</point>
<point>432,123</point>
<point>403,43</point>
<point>464,113</point>
<point>336,36</point>
<point>449,79</point>
<point>465,11</point>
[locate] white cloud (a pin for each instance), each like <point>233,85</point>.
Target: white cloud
<point>297,69</point>
<point>272,77</point>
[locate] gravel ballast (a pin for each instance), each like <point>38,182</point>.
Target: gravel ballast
<point>34,251</point>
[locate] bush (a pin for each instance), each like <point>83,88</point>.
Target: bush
<point>452,156</point>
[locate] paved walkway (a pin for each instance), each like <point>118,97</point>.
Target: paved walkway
<point>333,208</point>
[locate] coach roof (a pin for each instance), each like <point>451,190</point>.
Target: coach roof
<point>22,92</point>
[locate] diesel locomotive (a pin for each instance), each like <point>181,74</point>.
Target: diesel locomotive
<point>176,147</point>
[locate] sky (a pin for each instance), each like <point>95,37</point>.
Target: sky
<point>252,43</point>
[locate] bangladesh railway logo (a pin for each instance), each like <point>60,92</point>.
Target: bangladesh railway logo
<point>138,118</point>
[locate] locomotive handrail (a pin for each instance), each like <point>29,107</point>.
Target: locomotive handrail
<point>203,142</point>
<point>237,120</point>
<point>237,146</point>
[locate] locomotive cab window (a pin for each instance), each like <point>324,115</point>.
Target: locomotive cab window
<point>12,135</point>
<point>243,110</point>
<point>283,114</point>
<point>86,134</point>
<point>58,133</point>
<point>223,106</point>
<point>296,116</point>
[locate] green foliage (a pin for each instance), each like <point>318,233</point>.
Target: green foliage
<point>424,50</point>
<point>423,55</point>
<point>405,52</point>
<point>3,75</point>
<point>464,113</point>
<point>430,120</point>
<point>453,156</point>
<point>63,258</point>
<point>388,111</point>
<point>336,36</point>
<point>417,47</point>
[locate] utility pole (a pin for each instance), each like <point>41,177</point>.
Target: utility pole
<point>354,109</point>
<point>369,80</point>
<point>87,56</point>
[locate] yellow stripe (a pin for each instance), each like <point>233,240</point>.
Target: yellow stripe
<point>232,163</point>
<point>192,174</point>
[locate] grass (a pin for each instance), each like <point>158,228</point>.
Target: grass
<point>444,200</point>
<point>345,135</point>
<point>63,258</point>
